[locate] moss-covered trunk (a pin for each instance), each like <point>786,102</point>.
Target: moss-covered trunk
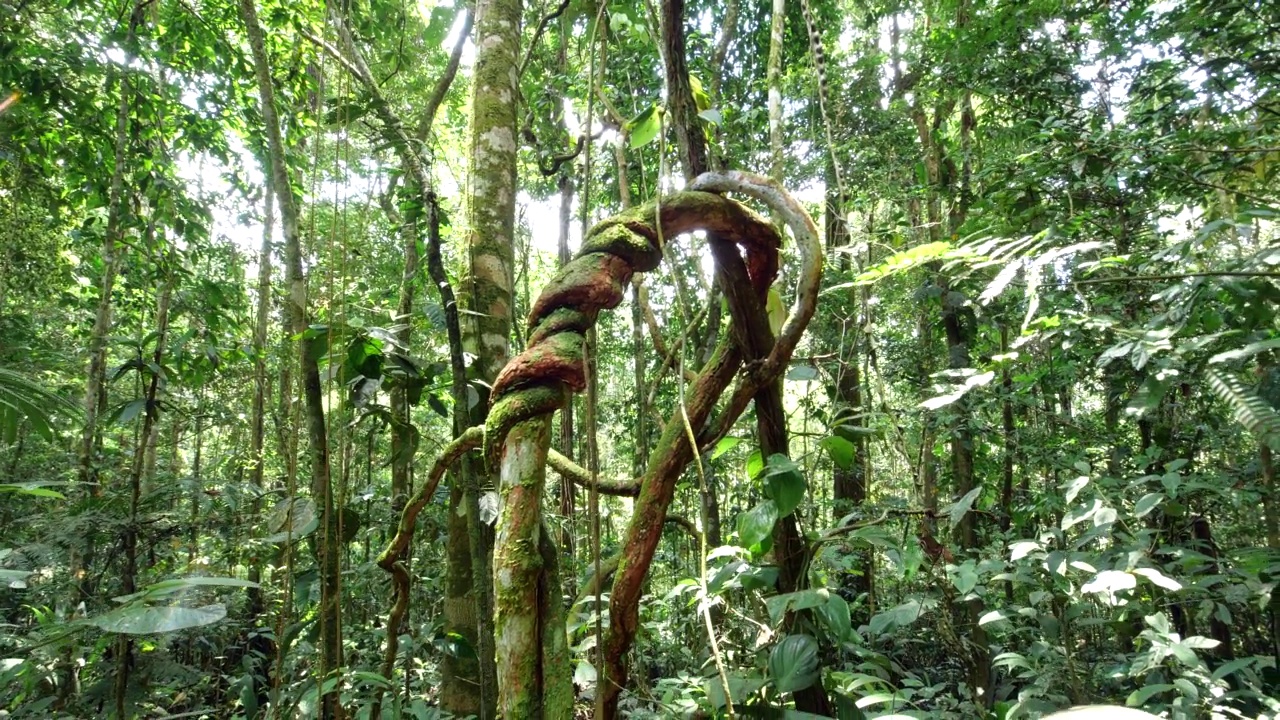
<point>486,293</point>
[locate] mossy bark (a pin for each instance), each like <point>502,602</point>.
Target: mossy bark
<point>487,293</point>
<point>525,599</point>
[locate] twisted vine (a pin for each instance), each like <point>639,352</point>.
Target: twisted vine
<point>539,380</point>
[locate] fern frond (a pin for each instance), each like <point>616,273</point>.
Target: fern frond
<point>1251,411</point>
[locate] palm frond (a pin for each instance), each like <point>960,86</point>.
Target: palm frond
<point>1251,411</point>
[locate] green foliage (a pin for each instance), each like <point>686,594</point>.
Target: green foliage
<point>1031,430</point>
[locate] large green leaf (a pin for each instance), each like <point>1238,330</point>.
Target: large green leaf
<point>899,616</point>
<point>292,520</point>
<point>835,614</point>
<point>840,450</point>
<point>1249,410</point>
<point>793,663</point>
<point>780,605</point>
<point>22,398</point>
<point>957,510</point>
<point>644,127</point>
<point>785,483</point>
<point>741,687</point>
<point>755,526</point>
<point>177,586</point>
<point>144,620</point>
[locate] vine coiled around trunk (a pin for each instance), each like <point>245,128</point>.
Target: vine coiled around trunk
<point>540,379</point>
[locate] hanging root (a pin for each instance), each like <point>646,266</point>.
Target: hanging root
<point>539,380</point>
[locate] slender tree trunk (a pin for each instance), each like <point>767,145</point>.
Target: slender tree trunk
<point>1010,450</point>
<point>773,78</point>
<point>261,646</point>
<point>257,434</point>
<point>82,556</point>
<point>327,547</point>
<point>403,434</point>
<point>197,484</point>
<point>491,202</point>
<point>129,541</point>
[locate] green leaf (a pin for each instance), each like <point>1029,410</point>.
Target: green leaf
<point>455,645</point>
<point>740,688</point>
<point>129,411</point>
<point>780,605</point>
<point>143,620</point>
<point>701,100</point>
<point>906,260</point>
<point>1158,578</point>
<point>802,373</point>
<point>973,381</point>
<point>991,617</point>
<point>755,526</point>
<point>372,678</point>
<point>793,663</point>
<point>584,673</point>
<point>1233,666</point>
<point>1147,504</point>
<point>785,484</point>
<point>1109,582</point>
<point>643,128</point>
<point>34,489</point>
<point>1247,351</point>
<point>1251,411</point>
<point>964,577</point>
<point>1139,697</point>
<point>840,450</point>
<point>725,445</point>
<point>291,520</point>
<point>776,310</point>
<point>957,510</point>
<point>758,578</point>
<point>835,614</point>
<point>176,586</point>
<point>434,402</point>
<point>899,616</point>
<point>1010,660</point>
<point>1001,281</point>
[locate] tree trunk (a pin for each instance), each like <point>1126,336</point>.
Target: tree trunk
<point>258,427</point>
<point>1273,536</point>
<point>403,434</point>
<point>129,541</point>
<point>529,642</point>
<point>81,556</point>
<point>328,541</point>
<point>773,79</point>
<point>491,199</point>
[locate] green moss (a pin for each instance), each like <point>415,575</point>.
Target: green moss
<point>566,319</point>
<point>515,407</point>
<point>620,240</point>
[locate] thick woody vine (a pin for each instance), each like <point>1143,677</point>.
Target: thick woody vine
<point>540,379</point>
